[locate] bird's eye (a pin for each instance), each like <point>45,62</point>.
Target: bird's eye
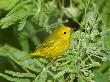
<point>64,32</point>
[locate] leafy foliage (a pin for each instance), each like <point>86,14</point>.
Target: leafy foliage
<point>104,12</point>
<point>87,59</point>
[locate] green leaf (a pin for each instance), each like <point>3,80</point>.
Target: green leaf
<point>7,4</point>
<point>104,11</point>
<point>15,16</point>
<point>18,74</point>
<point>61,73</point>
<point>42,76</point>
<point>106,39</point>
<point>14,79</point>
<point>99,77</point>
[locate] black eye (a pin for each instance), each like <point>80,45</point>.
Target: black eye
<point>64,32</point>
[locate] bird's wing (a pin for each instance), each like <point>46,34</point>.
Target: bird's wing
<point>42,48</point>
<point>46,44</point>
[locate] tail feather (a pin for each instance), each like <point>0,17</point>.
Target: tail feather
<point>33,54</point>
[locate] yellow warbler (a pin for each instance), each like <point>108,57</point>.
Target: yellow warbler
<point>55,44</point>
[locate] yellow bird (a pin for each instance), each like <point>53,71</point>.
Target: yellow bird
<point>55,44</point>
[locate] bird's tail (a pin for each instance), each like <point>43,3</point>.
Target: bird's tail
<point>33,54</point>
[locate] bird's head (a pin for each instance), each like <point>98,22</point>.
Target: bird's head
<point>63,32</point>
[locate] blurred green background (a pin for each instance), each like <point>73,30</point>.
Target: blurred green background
<point>24,24</point>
